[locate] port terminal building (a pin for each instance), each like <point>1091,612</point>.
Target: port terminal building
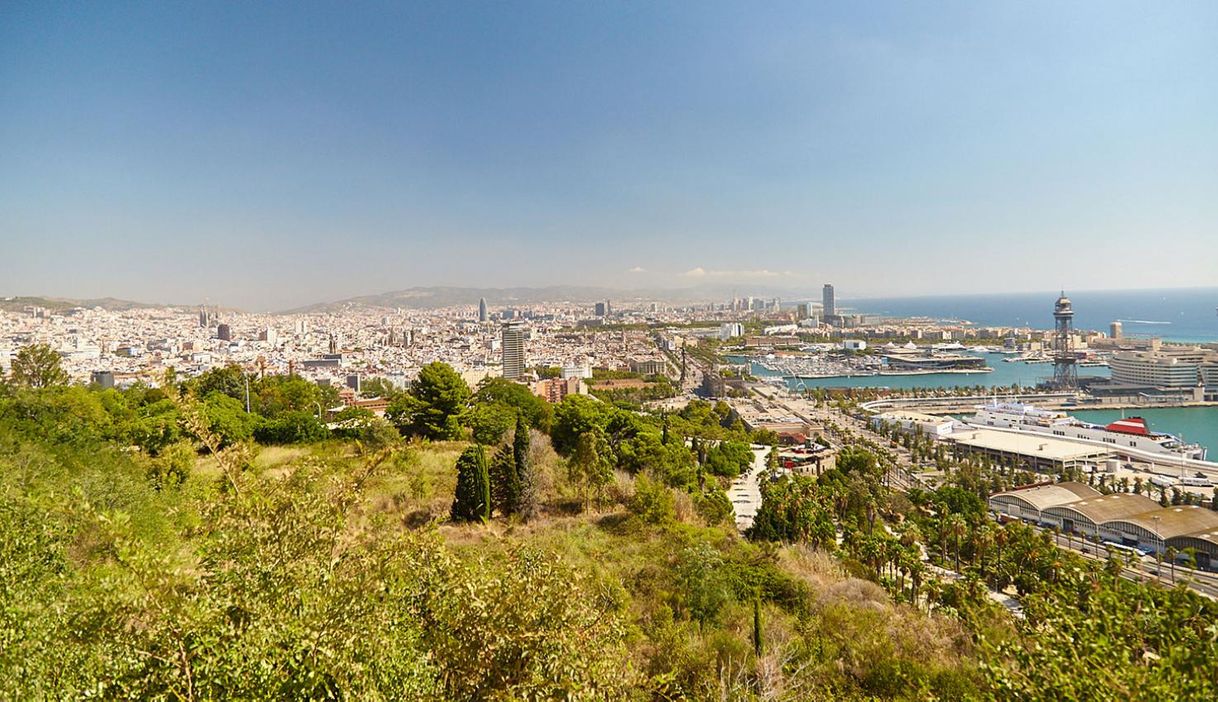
<point>1120,518</point>
<point>1032,451</point>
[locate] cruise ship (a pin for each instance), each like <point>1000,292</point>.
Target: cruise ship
<point>1132,432</point>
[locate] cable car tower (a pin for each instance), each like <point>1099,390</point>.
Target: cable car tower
<point>1065,368</point>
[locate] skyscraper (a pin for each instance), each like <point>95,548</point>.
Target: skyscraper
<point>482,313</point>
<point>828,302</point>
<point>513,351</point>
<point>600,309</point>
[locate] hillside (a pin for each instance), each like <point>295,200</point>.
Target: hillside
<point>60,304</point>
<point>168,544</point>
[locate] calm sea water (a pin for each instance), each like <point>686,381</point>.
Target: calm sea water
<point>1004,375</point>
<point>1175,315</point>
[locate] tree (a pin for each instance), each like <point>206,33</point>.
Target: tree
<point>229,380</point>
<point>436,405</point>
<point>757,647</point>
<point>292,427</point>
<point>505,481</point>
<point>37,366</point>
<point>574,416</point>
<point>228,419</point>
<point>793,509</point>
<point>530,489</point>
<point>501,391</point>
<point>589,465</point>
<point>472,501</point>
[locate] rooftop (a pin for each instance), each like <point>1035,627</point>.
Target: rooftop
<point>1035,445</point>
<point>1042,497</point>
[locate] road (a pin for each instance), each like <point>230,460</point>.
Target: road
<point>1145,570</point>
<point>745,491</point>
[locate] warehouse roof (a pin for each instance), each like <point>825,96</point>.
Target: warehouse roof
<point>1117,506</point>
<point>1042,497</point>
<point>1169,522</point>
<point>1034,445</point>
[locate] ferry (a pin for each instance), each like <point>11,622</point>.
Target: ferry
<point>1129,432</point>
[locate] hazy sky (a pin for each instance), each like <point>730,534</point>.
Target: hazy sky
<point>267,155</point>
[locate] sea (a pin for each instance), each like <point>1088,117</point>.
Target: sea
<point>1181,314</point>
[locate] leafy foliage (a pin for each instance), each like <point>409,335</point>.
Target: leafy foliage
<point>37,366</point>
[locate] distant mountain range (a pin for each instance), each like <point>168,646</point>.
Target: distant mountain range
<point>59,304</point>
<point>445,296</point>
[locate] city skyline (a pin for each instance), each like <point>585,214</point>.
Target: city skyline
<point>288,156</point>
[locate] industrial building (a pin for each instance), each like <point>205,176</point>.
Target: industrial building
<point>916,422</point>
<point>1032,451</point>
<point>1130,520</point>
<point>932,362</point>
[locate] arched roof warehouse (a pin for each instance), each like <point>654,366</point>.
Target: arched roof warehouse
<point>1041,497</point>
<point>1102,509</point>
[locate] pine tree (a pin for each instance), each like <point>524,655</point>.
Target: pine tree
<point>473,499</point>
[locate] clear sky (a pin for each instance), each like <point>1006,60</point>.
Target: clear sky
<point>266,155</point>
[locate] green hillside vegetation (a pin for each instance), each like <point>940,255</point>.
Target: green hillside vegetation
<point>161,544</point>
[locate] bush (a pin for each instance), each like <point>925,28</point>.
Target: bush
<point>653,502</point>
<point>292,427</point>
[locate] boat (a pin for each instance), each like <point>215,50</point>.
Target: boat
<point>1130,432</point>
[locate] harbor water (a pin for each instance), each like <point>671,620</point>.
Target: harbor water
<point>1004,375</point>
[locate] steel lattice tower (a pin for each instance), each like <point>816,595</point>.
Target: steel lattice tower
<point>1065,369</point>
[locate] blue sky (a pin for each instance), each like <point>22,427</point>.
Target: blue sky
<point>267,155</point>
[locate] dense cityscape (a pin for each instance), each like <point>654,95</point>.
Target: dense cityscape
<point>725,352</point>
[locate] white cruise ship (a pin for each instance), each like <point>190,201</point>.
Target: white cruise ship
<point>1131,432</point>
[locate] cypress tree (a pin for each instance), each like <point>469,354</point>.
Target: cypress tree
<point>757,624</point>
<point>473,499</point>
<point>520,462</point>
<point>503,481</point>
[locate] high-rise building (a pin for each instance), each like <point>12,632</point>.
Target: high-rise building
<point>483,315</point>
<point>828,303</point>
<point>1114,330</point>
<point>513,351</point>
<point>601,309</point>
<point>224,332</point>
<point>804,310</point>
<point>203,317</point>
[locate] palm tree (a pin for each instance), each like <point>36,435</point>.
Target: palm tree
<point>956,528</point>
<point>1170,552</point>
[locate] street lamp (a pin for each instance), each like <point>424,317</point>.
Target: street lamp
<point>1159,547</point>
